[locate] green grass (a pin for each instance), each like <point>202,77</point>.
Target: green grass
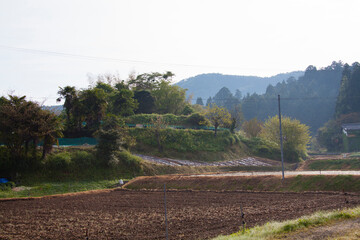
<point>356,154</point>
<point>50,188</point>
<point>272,230</point>
<point>335,164</point>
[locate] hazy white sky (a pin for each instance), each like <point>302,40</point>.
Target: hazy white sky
<point>45,44</point>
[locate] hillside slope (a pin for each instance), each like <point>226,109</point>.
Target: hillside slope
<point>206,85</point>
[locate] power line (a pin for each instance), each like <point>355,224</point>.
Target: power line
<point>99,58</point>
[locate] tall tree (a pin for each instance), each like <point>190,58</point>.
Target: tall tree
<point>149,81</point>
<point>199,101</point>
<point>70,95</point>
<point>169,98</point>
<point>238,94</point>
<point>145,100</point>
<point>92,107</point>
<point>123,102</point>
<point>23,122</point>
<point>348,100</point>
<point>209,101</point>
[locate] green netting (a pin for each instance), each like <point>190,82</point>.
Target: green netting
<point>77,141</point>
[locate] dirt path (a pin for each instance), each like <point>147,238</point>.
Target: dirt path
<point>125,214</point>
<point>331,231</point>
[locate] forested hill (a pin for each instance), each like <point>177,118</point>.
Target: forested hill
<point>310,99</point>
<point>206,85</point>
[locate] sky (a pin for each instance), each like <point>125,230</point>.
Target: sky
<point>47,44</point>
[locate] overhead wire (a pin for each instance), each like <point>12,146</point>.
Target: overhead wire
<point>99,58</point>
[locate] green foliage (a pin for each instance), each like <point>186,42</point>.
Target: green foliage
<point>43,188</point>
<point>59,161</point>
<point>349,100</point>
<point>5,161</point>
<point>310,98</point>
<point>170,119</point>
<point>218,117</point>
<point>275,230</point>
<point>83,159</point>
<point>331,136</point>
<point>146,102</point>
<point>335,164</point>
<point>7,186</point>
<point>188,109</point>
<point>199,101</point>
<point>124,159</point>
<point>112,140</point>
<point>123,103</point>
<point>196,120</point>
<point>295,137</point>
<point>262,148</point>
<point>185,140</point>
<point>23,124</point>
<point>149,81</point>
<point>252,128</point>
<point>224,98</point>
<point>169,98</point>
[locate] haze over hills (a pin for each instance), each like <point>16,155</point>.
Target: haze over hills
<point>206,85</point>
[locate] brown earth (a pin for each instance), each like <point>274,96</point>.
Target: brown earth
<point>129,214</point>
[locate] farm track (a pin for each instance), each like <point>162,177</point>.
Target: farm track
<point>126,214</point>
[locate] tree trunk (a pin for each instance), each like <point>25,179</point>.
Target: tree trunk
<point>157,133</point>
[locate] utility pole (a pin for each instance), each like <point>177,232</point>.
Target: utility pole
<point>281,141</point>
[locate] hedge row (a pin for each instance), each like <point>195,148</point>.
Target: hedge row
<point>185,140</point>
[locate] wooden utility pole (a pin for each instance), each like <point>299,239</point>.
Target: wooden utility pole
<point>281,141</point>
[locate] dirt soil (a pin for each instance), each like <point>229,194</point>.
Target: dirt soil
<point>129,214</point>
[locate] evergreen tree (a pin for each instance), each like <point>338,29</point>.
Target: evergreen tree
<point>209,101</point>
<point>348,100</point>
<point>199,101</point>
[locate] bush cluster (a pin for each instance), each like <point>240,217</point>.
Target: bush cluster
<point>80,160</point>
<point>262,148</point>
<point>125,160</point>
<point>7,186</point>
<point>192,120</point>
<point>185,140</point>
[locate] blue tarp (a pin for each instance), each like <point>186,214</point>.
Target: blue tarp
<point>3,180</point>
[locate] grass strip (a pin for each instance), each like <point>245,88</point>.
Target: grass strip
<point>273,229</point>
<point>51,188</point>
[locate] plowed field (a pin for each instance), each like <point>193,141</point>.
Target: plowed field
<point>126,214</point>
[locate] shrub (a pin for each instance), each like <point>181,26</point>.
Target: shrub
<point>170,119</point>
<point>7,186</point>
<point>184,140</point>
<point>5,161</point>
<point>262,148</point>
<point>124,159</point>
<point>83,159</point>
<point>59,161</point>
<point>188,109</point>
<point>196,120</point>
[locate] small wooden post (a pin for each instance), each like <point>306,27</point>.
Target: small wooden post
<point>166,224</point>
<point>242,219</point>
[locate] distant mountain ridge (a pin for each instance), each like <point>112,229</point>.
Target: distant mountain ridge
<point>57,109</point>
<point>206,85</point>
